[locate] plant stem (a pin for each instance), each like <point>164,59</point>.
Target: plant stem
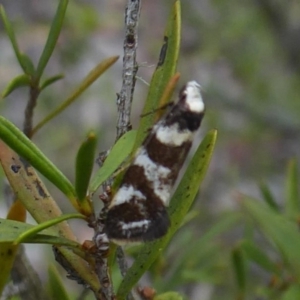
<point>130,67</point>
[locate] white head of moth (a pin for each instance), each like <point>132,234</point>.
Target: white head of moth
<point>193,97</point>
<point>137,211</point>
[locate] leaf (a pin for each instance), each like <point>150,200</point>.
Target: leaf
<point>292,206</point>
<point>166,96</point>
<point>268,197</point>
<point>15,139</point>
<point>165,69</point>
<point>168,296</point>
<point>240,270</point>
<point>119,152</point>
<point>52,38</point>
<point>27,65</point>
<point>292,293</point>
<point>87,81</point>
<point>278,229</point>
<point>180,204</point>
<point>51,80</point>
<point>257,255</point>
<point>11,231</point>
<point>21,80</point>
<point>202,253</point>
<point>7,249</point>
<point>84,167</point>
<point>11,34</point>
<point>37,200</point>
<point>36,229</point>
<point>56,286</point>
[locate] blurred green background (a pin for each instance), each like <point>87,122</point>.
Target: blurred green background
<point>245,55</point>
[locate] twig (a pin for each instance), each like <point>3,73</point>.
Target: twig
<point>130,67</point>
<point>34,93</point>
<point>124,101</point>
<point>102,244</point>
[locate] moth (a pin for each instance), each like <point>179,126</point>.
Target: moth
<point>137,212</point>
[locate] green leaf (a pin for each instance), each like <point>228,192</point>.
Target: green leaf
<point>258,256</point>
<point>267,196</point>
<point>21,80</point>
<point>280,230</point>
<point>87,81</point>
<point>27,65</point>
<point>202,253</point>
<point>8,251</point>
<point>84,166</point>
<point>292,293</point>
<point>180,204</point>
<point>10,32</point>
<point>11,230</point>
<point>15,139</point>
<point>52,37</point>
<point>51,80</point>
<point>165,69</point>
<point>119,152</point>
<point>55,285</point>
<point>168,296</point>
<point>33,231</point>
<point>240,270</point>
<point>37,200</point>
<point>292,206</point>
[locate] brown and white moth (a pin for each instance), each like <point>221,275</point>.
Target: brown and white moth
<point>137,211</point>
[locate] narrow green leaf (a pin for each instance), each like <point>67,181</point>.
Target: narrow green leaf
<point>15,139</point>
<point>21,80</point>
<point>37,200</point>
<point>11,230</point>
<point>27,64</point>
<point>84,166</point>
<point>165,69</point>
<point>11,34</point>
<point>52,37</point>
<point>292,206</point>
<point>168,296</point>
<point>7,257</point>
<point>8,251</point>
<point>258,256</point>
<point>281,231</point>
<point>119,152</point>
<point>180,204</point>
<point>292,293</point>
<point>202,252</point>
<point>36,229</point>
<point>56,286</point>
<point>267,196</point>
<point>51,80</point>
<point>224,223</point>
<point>87,81</point>
<point>240,270</point>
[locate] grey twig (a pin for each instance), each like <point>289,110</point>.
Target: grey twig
<point>124,102</point>
<point>130,66</point>
<point>102,244</point>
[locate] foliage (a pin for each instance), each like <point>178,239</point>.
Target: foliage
<point>263,262</point>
